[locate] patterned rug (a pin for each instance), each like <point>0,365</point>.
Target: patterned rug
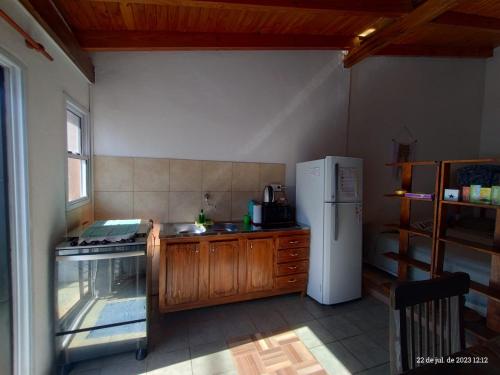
<point>281,353</point>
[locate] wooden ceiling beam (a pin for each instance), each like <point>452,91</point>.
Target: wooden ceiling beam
<point>168,41</point>
<point>435,51</point>
<point>422,15</point>
<point>468,20</point>
<point>377,8</point>
<point>54,24</point>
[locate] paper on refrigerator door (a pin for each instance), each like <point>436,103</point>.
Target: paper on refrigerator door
<point>347,182</point>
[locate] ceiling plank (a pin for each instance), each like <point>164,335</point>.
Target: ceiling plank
<point>435,51</point>
<point>165,41</point>
<point>424,14</point>
<point>54,24</point>
<point>468,20</point>
<point>377,8</point>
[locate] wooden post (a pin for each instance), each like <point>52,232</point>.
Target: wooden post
<point>493,314</point>
<point>404,217</point>
<point>440,222</point>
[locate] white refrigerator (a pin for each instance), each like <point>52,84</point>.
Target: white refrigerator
<point>329,200</point>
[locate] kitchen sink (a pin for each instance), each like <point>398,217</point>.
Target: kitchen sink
<point>189,229</point>
<point>224,227</point>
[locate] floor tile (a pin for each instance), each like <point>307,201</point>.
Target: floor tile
<point>205,332</point>
<point>370,318</point>
<point>268,321</point>
<point>380,337</point>
<point>366,351</point>
<point>336,359</point>
<point>176,362</point>
<point>86,372</point>
<point>316,309</point>
<point>339,327</point>
<point>169,339</point>
<point>313,334</point>
<point>295,313</point>
<point>209,359</point>
<point>379,370</point>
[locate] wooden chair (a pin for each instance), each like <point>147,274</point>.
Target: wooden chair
<point>427,320</point>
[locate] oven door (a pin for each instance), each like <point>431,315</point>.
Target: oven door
<point>99,288</point>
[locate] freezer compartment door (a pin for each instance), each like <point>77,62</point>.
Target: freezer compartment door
<point>343,179</point>
<point>342,252</point>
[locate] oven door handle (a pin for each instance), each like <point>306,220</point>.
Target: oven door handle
<point>77,258</point>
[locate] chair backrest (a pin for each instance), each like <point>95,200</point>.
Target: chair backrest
<point>427,320</point>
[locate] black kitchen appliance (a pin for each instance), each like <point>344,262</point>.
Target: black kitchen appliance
<point>277,215</point>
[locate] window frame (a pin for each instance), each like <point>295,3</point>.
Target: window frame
<point>80,111</point>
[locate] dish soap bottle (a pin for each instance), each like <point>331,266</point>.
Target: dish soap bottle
<point>201,217</point>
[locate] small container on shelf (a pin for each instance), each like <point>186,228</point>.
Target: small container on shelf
<point>475,193</point>
<point>495,195</point>
<point>451,195</point>
<point>485,195</point>
<point>466,193</point>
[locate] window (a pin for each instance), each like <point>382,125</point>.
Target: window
<point>78,148</point>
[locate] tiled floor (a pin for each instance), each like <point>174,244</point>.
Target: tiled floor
<point>347,338</point>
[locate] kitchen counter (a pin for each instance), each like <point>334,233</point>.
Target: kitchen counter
<point>171,231</point>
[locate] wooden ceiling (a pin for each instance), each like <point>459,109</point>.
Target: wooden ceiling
<point>461,28</point>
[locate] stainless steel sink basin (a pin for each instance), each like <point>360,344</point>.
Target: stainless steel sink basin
<point>224,227</point>
<point>189,229</point>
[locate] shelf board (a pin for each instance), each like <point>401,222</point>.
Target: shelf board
<point>413,199</point>
<point>471,161</point>
<point>471,245</point>
<point>471,204</point>
<point>412,163</point>
<point>483,289</point>
<point>411,230</point>
<point>409,261</point>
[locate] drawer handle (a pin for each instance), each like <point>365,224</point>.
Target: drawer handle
<point>294,254</point>
<point>292,280</point>
<point>292,267</point>
<point>293,242</point>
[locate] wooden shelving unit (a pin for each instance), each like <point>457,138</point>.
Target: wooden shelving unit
<point>404,227</point>
<point>492,291</point>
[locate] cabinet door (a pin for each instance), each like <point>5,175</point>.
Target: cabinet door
<point>223,277</point>
<point>183,265</point>
<point>260,264</point>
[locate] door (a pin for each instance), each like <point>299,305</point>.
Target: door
<point>98,287</point>
<point>343,179</point>
<point>223,268</point>
<point>260,264</point>
<point>183,265</point>
<point>5,295</point>
<point>342,252</point>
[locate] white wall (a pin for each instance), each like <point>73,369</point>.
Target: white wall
<point>45,82</point>
<point>490,132</point>
<point>240,106</point>
<point>439,100</point>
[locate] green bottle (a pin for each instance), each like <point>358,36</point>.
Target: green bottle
<point>201,217</point>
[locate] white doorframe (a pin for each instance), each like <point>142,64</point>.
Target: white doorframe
<point>18,193</point>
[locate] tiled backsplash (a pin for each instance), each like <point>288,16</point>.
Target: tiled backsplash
<point>172,190</point>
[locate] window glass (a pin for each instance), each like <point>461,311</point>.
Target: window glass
<point>78,154</point>
<point>74,132</point>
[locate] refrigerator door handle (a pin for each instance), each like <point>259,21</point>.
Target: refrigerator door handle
<point>336,224</point>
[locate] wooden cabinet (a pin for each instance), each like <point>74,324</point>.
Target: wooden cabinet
<point>182,273</point>
<point>260,264</point>
<point>215,269</point>
<point>223,268</point>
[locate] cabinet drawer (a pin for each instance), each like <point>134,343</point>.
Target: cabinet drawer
<point>293,242</point>
<point>292,281</point>
<point>290,255</point>
<point>292,268</point>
